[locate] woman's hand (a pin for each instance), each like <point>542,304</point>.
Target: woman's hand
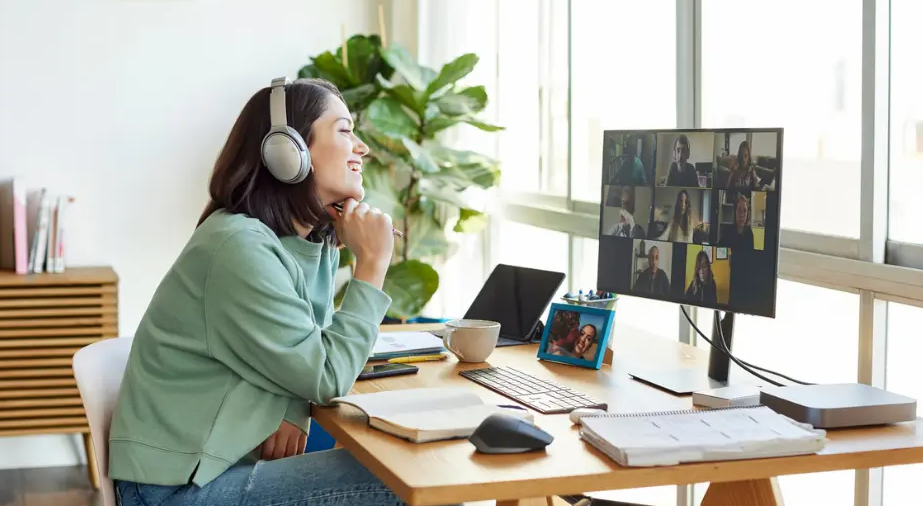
<point>368,233</point>
<point>288,441</point>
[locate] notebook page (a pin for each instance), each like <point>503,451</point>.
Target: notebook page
<point>414,400</point>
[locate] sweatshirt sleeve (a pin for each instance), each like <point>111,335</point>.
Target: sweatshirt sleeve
<point>259,326</point>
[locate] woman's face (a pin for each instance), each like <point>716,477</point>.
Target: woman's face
<point>741,213</point>
<point>703,270</point>
<point>584,340</point>
<point>336,155</point>
<point>746,157</point>
<point>683,202</point>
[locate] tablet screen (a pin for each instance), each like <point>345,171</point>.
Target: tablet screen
<point>516,297</point>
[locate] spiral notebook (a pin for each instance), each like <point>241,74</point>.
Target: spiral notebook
<point>669,438</point>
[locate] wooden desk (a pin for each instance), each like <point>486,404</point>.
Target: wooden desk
<point>450,472</point>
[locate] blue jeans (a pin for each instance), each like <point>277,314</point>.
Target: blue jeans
<point>331,477</point>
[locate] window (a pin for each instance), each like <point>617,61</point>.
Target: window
<point>814,337</point>
<point>533,247</point>
<point>906,121</point>
<point>903,377</point>
<point>532,96</point>
<point>623,67</point>
<point>790,64</point>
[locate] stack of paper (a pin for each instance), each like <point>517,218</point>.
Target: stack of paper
<point>671,438</point>
<point>405,344</point>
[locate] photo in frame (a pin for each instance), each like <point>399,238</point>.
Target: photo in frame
<point>576,335</point>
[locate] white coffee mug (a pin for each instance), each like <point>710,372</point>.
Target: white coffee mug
<point>471,340</point>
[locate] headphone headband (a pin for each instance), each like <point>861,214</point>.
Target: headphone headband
<point>277,115</point>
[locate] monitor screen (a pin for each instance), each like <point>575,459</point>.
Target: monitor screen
<point>692,217</point>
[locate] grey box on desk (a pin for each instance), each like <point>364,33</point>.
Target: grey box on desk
<point>839,405</point>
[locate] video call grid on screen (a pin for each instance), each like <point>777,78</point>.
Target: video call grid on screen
<point>681,207</point>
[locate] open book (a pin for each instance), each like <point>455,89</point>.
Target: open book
<point>675,437</point>
<point>427,414</point>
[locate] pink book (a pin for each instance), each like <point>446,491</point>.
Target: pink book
<point>20,241</point>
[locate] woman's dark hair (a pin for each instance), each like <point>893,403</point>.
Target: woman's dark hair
<point>240,183</point>
<point>744,145</point>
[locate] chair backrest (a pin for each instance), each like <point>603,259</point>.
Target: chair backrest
<point>98,369</point>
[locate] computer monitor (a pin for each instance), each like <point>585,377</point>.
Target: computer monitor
<point>693,219</point>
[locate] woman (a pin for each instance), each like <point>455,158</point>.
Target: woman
<point>702,288</point>
<point>241,335</point>
<point>684,223</point>
<point>743,173</point>
<point>682,173</point>
<point>739,236</point>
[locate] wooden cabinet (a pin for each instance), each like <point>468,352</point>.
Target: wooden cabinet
<point>44,320</point>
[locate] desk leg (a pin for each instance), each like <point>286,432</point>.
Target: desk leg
<point>764,492</point>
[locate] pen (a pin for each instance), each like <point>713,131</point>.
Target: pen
<point>419,358</point>
<point>397,233</point>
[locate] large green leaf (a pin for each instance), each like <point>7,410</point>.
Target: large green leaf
<point>308,71</point>
<point>417,76</point>
<point>464,168</point>
<point>421,157</point>
<point>363,57</point>
<point>380,191</point>
<point>476,123</point>
<point>382,147</point>
<point>452,72</point>
<point>410,284</point>
<point>389,117</point>
<point>404,94</point>
<point>442,193</point>
<point>360,97</point>
<point>477,96</point>
<point>331,68</point>
<point>470,221</point>
<point>425,236</point>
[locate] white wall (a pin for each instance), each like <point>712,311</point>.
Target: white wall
<point>124,105</point>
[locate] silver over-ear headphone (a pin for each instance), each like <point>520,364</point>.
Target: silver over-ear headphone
<point>283,150</point>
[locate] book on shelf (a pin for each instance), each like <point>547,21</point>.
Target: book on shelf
<point>32,228</point>
<point>699,435</point>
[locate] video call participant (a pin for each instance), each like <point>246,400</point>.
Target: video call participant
<point>630,169</point>
<point>684,223</point>
<point>626,226</point>
<point>702,288</point>
<point>653,280</point>
<point>739,235</point>
<point>682,173</point>
<point>743,170</point>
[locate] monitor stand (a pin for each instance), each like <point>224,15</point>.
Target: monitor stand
<point>687,381</point>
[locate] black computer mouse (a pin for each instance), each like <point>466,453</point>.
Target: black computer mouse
<point>502,433</point>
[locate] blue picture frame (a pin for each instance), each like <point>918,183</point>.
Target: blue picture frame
<point>566,330</point>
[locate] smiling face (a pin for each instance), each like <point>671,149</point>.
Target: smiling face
<point>336,155</point>
<point>584,340</point>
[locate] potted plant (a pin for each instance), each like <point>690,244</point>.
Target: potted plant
<point>400,109</point>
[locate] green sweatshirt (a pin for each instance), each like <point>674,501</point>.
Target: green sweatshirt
<point>240,334</point>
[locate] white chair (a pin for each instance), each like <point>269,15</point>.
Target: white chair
<point>98,369</point>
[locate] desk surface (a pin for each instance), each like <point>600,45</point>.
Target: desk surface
<point>450,471</point>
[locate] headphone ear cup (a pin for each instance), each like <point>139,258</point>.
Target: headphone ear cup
<point>285,154</point>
